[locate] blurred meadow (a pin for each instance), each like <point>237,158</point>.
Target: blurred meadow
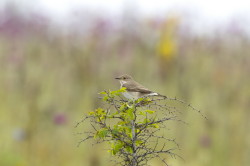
<point>50,75</point>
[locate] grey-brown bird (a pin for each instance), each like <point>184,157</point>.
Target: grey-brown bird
<point>134,90</point>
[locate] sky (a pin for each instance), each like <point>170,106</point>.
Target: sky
<point>202,11</point>
<point>213,8</point>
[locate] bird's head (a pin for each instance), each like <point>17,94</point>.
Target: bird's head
<point>124,78</point>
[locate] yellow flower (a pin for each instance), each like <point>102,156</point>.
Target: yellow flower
<point>167,46</point>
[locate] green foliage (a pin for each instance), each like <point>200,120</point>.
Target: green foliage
<point>111,94</point>
<point>120,133</point>
<point>130,127</point>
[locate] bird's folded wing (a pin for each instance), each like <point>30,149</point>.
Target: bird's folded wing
<point>136,87</point>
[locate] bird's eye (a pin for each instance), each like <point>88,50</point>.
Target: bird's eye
<point>124,78</point>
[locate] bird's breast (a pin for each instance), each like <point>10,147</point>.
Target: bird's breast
<point>131,95</point>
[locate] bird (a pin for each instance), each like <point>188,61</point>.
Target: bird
<point>134,90</point>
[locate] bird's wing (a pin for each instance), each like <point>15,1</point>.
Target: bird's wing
<point>136,87</point>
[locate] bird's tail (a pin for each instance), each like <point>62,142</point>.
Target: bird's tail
<point>160,95</point>
<point>157,94</point>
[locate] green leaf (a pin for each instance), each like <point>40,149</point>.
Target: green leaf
<point>115,132</point>
<point>100,111</point>
<point>146,120</point>
<point>123,107</point>
<point>142,113</point>
<point>103,93</point>
<point>116,147</point>
<point>102,133</point>
<point>150,111</point>
<point>130,135</point>
<point>114,93</point>
<point>139,100</point>
<point>138,142</point>
<point>147,99</point>
<point>123,89</point>
<point>155,125</point>
<point>129,149</point>
<point>130,113</point>
<point>91,113</point>
<point>105,98</point>
<point>121,123</point>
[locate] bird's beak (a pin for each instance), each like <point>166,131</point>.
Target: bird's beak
<point>117,78</point>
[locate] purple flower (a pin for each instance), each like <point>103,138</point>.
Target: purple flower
<point>60,119</point>
<point>205,141</point>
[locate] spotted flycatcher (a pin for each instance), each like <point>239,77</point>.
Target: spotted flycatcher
<point>134,90</point>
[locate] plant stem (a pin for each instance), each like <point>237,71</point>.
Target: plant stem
<point>134,137</point>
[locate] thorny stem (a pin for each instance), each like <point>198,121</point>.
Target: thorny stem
<point>134,138</point>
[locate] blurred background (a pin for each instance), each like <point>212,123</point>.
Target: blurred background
<point>55,56</point>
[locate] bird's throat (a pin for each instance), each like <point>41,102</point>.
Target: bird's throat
<point>122,82</point>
